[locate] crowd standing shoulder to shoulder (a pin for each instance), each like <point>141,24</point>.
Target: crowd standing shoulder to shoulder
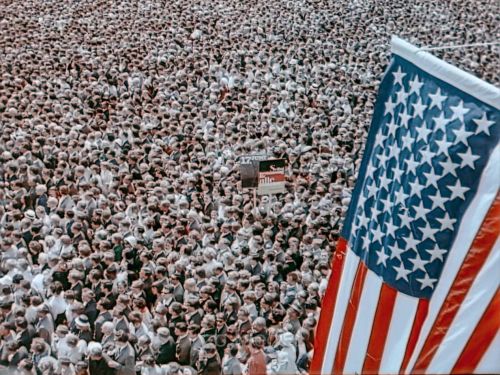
<point>127,244</point>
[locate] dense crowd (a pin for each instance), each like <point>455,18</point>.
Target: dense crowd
<point>127,243</point>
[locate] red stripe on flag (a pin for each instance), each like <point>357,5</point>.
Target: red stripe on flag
<point>481,339</point>
<point>472,264</point>
<point>381,323</point>
<point>349,319</point>
<point>420,315</point>
<point>328,307</point>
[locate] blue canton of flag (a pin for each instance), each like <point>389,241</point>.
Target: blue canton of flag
<point>427,147</point>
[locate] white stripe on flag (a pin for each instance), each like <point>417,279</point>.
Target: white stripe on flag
<point>363,324</point>
<point>440,69</point>
<point>490,363</point>
<point>404,311</point>
<point>477,300</point>
<point>471,222</point>
<point>348,275</point>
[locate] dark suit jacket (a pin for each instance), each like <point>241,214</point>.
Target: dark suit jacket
<point>91,312</point>
<point>210,367</point>
<point>85,335</point>
<point>166,353</point>
<point>77,289</point>
<point>20,354</point>
<point>221,331</point>
<point>183,350</point>
<point>195,318</point>
<point>42,201</point>
<point>97,290</point>
<point>100,367</point>
<point>208,333</point>
<point>173,322</point>
<point>27,337</point>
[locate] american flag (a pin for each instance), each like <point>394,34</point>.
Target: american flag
<point>415,279</point>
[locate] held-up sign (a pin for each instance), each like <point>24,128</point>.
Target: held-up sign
<point>249,170</point>
<point>271,177</point>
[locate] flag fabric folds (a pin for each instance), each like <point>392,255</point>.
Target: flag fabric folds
<point>415,282</point>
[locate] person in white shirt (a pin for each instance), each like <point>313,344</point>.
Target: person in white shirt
<point>56,302</point>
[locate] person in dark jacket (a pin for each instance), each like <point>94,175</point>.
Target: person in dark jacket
<point>83,328</point>
<point>166,353</point>
<point>183,346</point>
<point>26,332</point>
<point>98,365</point>
<point>90,306</point>
<point>208,361</point>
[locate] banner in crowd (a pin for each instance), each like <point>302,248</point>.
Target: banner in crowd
<point>249,170</point>
<point>414,286</point>
<point>271,176</point>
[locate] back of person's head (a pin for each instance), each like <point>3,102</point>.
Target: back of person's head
<point>194,329</point>
<point>233,350</point>
<point>182,327</point>
<point>257,342</point>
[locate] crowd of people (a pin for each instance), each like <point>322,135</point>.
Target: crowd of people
<point>127,243</point>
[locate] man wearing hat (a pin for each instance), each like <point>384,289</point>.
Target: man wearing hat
<point>83,330</point>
